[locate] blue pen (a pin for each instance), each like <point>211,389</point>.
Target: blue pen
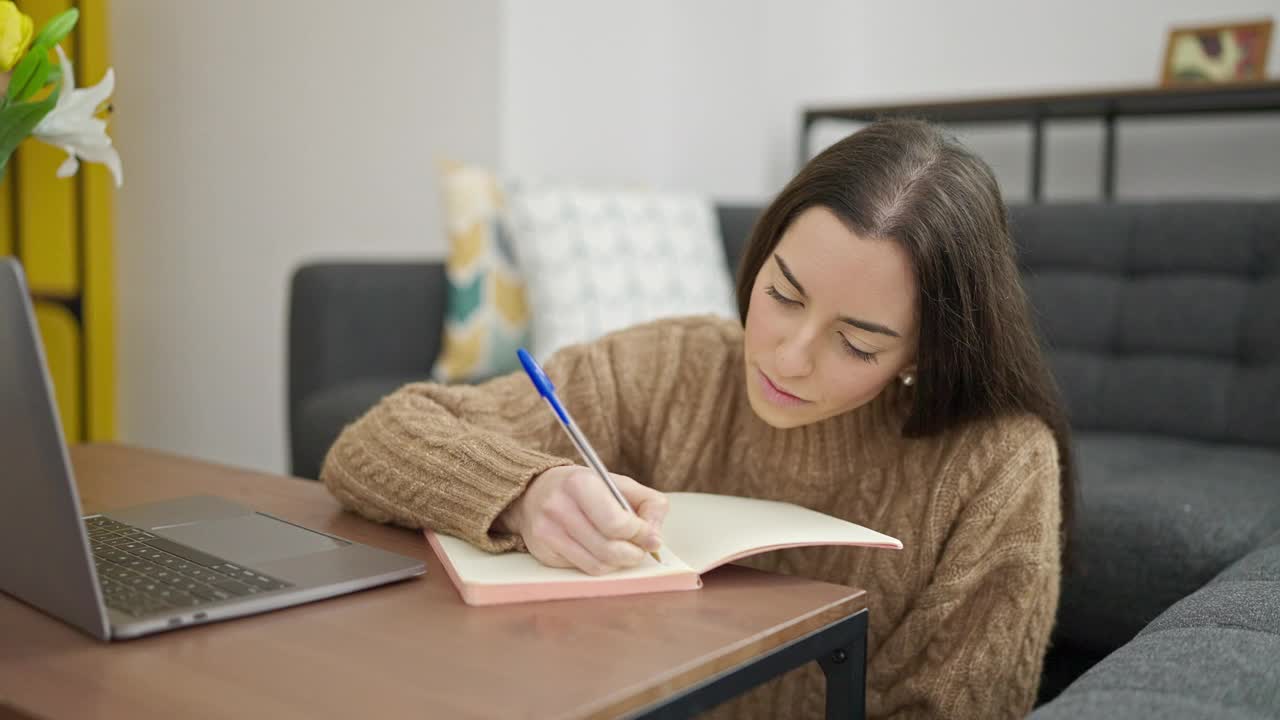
<point>548,392</point>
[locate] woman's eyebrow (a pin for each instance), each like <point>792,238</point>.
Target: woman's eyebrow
<point>869,326</point>
<point>861,324</point>
<point>786,271</point>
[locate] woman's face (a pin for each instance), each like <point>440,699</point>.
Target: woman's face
<point>832,321</point>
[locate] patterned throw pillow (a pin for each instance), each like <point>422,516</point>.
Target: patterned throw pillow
<point>594,261</point>
<point>487,317</point>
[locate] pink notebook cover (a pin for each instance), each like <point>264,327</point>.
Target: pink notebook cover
<point>491,594</point>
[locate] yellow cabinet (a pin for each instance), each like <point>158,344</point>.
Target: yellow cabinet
<point>61,230</point>
<point>62,347</point>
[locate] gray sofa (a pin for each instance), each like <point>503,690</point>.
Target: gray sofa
<point>1163,327</point>
<point>1213,655</point>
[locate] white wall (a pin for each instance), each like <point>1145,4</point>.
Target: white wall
<point>256,135</point>
<point>661,92</point>
<point>709,94</point>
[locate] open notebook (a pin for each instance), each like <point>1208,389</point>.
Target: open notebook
<point>701,532</point>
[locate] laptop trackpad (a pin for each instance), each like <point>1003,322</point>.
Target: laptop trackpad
<point>249,539</point>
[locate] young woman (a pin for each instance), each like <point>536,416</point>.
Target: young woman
<point>886,370</point>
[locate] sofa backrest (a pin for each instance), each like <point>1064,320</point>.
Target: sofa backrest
<point>735,227</point>
<point>1160,318</point>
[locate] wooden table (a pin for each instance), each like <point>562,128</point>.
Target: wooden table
<point>413,648</point>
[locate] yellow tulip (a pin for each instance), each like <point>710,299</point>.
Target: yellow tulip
<point>16,30</point>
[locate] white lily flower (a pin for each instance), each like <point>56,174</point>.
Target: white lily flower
<point>72,125</point>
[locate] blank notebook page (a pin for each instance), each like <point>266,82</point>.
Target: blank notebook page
<point>710,530</point>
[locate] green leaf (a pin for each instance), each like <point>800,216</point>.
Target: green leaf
<point>34,69</point>
<point>56,29</point>
<point>22,74</point>
<point>19,119</point>
<point>38,79</point>
<point>34,80</point>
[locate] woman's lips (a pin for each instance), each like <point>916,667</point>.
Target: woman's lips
<point>777,395</point>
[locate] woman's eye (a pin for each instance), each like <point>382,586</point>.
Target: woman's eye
<point>860,354</point>
<point>773,293</point>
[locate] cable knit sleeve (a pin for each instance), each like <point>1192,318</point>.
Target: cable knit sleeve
<point>453,457</point>
<point>973,643</point>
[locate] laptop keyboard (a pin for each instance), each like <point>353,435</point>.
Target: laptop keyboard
<point>141,573</point>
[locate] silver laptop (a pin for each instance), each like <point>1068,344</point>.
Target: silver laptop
<point>148,568</point>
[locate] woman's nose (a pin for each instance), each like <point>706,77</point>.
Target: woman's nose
<point>794,357</point>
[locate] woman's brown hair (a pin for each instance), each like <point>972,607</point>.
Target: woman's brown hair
<point>979,354</point>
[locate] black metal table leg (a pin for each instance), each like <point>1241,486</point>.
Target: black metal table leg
<point>839,648</point>
<point>846,671</point>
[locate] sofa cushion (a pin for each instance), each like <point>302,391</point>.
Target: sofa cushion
<point>1261,564</point>
<point>597,260</point>
<point>1245,595</point>
<point>1185,673</point>
<point>1212,655</point>
<point>1158,518</point>
<point>322,416</point>
<point>486,316</point>
<point>1250,605</point>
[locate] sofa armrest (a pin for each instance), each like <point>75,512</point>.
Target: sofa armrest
<point>1212,654</point>
<point>360,320</point>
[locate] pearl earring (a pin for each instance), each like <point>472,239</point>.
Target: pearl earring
<point>908,379</point>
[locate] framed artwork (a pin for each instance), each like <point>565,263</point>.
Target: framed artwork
<point>1229,53</point>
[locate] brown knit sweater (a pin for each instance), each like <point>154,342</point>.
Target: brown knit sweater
<point>960,618</point>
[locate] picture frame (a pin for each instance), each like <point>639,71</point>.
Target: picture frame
<point>1218,54</point>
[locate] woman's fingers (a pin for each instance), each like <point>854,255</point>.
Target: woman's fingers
<point>648,503</point>
<point>613,552</point>
<point>570,518</point>
<point>651,506</point>
<point>603,509</point>
<point>555,544</point>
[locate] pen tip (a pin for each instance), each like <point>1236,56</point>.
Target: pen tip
<point>656,556</point>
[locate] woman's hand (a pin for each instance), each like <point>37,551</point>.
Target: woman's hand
<point>568,518</point>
